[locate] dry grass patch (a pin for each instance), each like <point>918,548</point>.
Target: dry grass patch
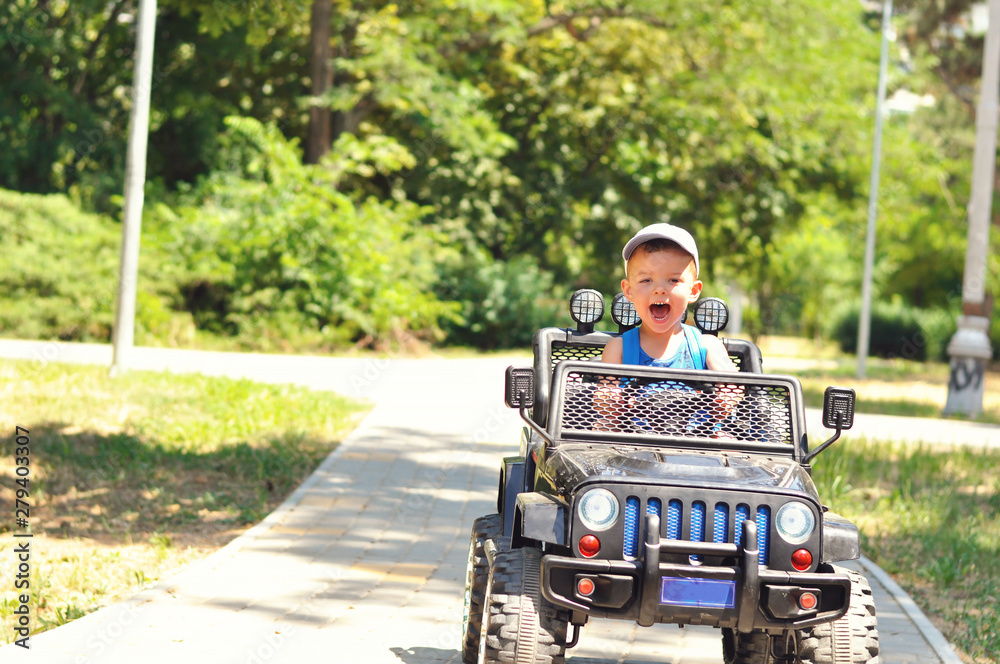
<point>131,478</point>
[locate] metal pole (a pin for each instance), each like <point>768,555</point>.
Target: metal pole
<point>135,180</point>
<point>970,348</point>
<point>864,324</point>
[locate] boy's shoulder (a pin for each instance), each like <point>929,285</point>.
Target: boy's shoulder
<point>613,350</point>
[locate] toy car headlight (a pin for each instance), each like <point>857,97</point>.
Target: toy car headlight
<point>598,509</point>
<point>795,522</point>
<point>711,315</point>
<point>586,306</point>
<point>623,312</point>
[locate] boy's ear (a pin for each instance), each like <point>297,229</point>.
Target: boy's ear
<point>695,292</point>
<point>627,289</point>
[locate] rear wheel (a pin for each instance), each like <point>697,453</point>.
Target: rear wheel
<point>851,639</point>
<point>519,625</point>
<point>477,573</point>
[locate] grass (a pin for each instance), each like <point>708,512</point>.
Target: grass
<point>132,477</point>
<point>890,387</point>
<point>930,518</point>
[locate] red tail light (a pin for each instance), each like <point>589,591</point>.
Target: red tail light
<point>589,546</point>
<point>802,560</point>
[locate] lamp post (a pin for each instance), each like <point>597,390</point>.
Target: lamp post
<point>864,322</point>
<point>135,179</point>
<point>970,349</point>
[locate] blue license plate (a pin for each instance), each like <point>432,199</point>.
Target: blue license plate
<point>703,593</point>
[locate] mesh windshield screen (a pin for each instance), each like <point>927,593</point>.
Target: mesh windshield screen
<point>739,409</point>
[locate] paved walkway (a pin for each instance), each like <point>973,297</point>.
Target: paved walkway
<point>365,562</point>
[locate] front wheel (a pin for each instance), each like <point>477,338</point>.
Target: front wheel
<point>519,625</point>
<point>489,527</point>
<point>851,639</point>
<point>739,648</point>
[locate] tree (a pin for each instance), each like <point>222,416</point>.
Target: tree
<point>321,73</point>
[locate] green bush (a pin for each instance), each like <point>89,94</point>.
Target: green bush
<point>58,270</point>
<point>59,277</point>
<point>938,326</point>
<point>271,249</point>
<point>503,303</point>
<point>895,331</point>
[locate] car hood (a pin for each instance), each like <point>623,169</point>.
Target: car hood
<point>569,465</point>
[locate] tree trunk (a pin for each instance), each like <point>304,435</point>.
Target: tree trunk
<point>321,72</point>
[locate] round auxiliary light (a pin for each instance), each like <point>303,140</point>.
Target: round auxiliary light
<point>589,546</point>
<point>598,509</point>
<point>802,560</point>
<point>586,306</point>
<point>808,601</point>
<point>585,587</point>
<point>711,315</point>
<point>795,522</point>
<point>623,312</point>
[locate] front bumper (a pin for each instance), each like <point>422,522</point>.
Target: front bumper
<point>743,596</point>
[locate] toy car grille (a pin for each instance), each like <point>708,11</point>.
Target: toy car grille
<point>576,351</point>
<point>717,522</point>
<point>666,403</point>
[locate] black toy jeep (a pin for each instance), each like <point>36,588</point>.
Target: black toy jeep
<point>663,496</point>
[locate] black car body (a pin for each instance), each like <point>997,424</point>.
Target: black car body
<point>664,496</point>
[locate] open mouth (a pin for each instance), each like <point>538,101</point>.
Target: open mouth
<point>659,310</point>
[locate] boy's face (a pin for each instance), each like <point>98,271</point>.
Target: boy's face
<point>661,285</point>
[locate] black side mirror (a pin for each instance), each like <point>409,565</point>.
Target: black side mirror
<point>519,387</point>
<point>838,414</point>
<point>838,408</point>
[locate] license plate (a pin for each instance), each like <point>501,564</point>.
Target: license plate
<point>702,593</point>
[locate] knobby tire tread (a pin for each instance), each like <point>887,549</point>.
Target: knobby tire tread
<point>521,627</point>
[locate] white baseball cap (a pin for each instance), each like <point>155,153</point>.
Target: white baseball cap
<point>675,234</point>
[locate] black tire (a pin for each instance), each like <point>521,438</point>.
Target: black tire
<point>740,648</point>
<point>520,626</point>
<point>851,639</point>
<point>477,574</point>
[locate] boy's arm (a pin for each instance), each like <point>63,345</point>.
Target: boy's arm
<point>612,351</point>
<point>607,398</point>
<point>717,357</point>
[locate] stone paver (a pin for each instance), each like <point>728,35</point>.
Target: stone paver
<point>365,562</point>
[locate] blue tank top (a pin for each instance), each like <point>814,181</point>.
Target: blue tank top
<point>691,355</point>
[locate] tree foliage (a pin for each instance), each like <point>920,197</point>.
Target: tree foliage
<point>272,249</point>
<point>477,141</point>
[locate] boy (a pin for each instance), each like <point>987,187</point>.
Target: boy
<point>661,280</point>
